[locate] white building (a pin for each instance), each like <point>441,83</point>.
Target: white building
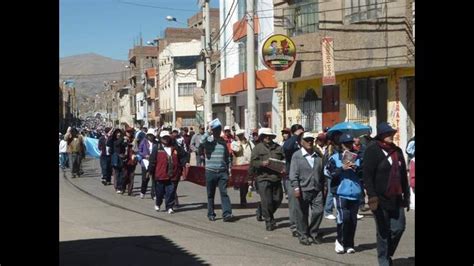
<point>234,65</point>
<point>177,68</point>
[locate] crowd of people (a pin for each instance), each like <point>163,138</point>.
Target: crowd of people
<point>316,173</point>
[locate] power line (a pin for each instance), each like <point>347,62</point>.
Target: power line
<point>157,7</point>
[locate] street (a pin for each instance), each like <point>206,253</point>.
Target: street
<point>100,227</point>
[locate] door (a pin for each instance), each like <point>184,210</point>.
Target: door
<point>330,105</point>
<point>382,97</point>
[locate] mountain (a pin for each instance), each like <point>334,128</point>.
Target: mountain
<point>90,71</point>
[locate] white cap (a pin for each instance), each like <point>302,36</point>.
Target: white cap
<point>266,131</point>
<point>226,128</point>
<point>240,131</point>
<point>151,131</point>
<point>164,133</point>
<point>307,135</point>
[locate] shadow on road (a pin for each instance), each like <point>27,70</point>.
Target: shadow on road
<point>141,250</point>
<point>363,247</point>
<point>404,261</point>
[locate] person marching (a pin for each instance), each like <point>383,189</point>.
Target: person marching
<point>268,180</point>
<point>307,184</point>
<point>217,170</point>
<point>105,163</point>
<point>242,149</point>
<point>167,160</point>
<point>144,150</point>
<point>346,188</point>
<point>386,181</point>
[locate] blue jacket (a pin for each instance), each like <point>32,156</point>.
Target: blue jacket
<point>341,178</point>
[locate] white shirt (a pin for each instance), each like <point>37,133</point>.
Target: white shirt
<point>168,150</point>
<point>150,146</point>
<point>309,157</point>
<point>63,146</point>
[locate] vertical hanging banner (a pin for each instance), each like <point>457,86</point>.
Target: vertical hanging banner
<point>327,48</point>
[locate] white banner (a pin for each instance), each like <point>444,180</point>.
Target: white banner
<point>327,48</point>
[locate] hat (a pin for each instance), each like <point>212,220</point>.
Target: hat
<point>240,131</point>
<point>286,130</point>
<point>175,129</point>
<point>151,131</point>
<point>383,128</point>
<point>346,138</point>
<point>308,135</point>
<point>226,128</point>
<point>266,131</point>
<point>164,133</point>
<point>255,131</point>
<point>321,136</point>
<point>215,123</point>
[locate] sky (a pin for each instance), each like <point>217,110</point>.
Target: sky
<point>111,27</point>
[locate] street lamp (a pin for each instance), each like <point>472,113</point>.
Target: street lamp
<point>171,18</point>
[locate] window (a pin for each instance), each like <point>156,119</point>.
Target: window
<point>360,10</point>
<point>358,111</point>
<point>311,115</point>
<point>186,89</point>
<point>186,122</point>
<point>186,62</point>
<point>301,18</point>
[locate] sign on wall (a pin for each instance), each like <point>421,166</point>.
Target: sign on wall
<point>327,48</point>
<point>279,52</point>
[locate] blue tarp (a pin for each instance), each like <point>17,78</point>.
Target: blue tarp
<point>92,147</point>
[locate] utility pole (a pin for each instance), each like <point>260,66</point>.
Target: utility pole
<point>208,49</point>
<point>251,105</point>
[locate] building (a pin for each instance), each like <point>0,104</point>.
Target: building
<point>69,111</point>
<point>373,53</point>
<point>178,82</point>
<point>234,63</point>
<point>140,59</point>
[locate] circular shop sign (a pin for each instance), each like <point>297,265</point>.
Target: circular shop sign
<point>278,52</point>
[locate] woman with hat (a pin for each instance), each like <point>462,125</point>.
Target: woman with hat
<point>130,162</point>
<point>342,169</point>
<point>269,180</point>
<point>386,182</point>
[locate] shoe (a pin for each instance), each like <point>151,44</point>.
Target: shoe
<point>330,217</point>
<point>109,183</point>
<point>74,176</point>
<point>153,198</point>
<point>360,216</point>
<point>305,241</point>
<point>142,196</point>
<point>317,240</point>
<point>119,192</point>
<point>269,226</point>
<point>212,218</point>
<point>157,208</point>
<point>350,251</point>
<point>170,211</point>
<point>229,218</point>
<point>259,216</point>
<point>104,182</point>
<point>295,233</point>
<point>339,248</point>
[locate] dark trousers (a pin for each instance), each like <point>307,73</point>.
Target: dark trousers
<point>75,159</point>
<point>213,180</point>
<point>118,175</point>
<point>293,205</point>
<point>145,181</point>
<point>346,220</point>
<point>309,199</point>
<point>167,190</point>
<point>106,167</point>
<point>129,178</point>
<point>244,189</point>
<point>390,227</point>
<point>271,195</point>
